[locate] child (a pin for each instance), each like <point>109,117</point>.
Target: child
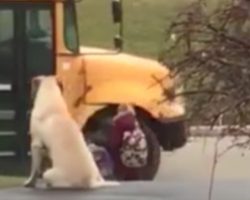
<point>125,121</point>
<point>103,160</point>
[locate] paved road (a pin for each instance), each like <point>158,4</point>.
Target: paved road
<point>194,162</point>
<point>138,191</point>
<point>183,175</point>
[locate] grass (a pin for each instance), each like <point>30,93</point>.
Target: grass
<point>10,181</point>
<point>145,22</point>
<point>13,172</point>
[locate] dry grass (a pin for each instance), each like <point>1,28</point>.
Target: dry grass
<point>10,181</point>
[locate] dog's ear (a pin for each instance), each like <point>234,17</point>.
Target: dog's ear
<point>35,81</point>
<point>35,84</point>
<point>60,85</point>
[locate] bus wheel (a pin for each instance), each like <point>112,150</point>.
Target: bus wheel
<point>97,130</point>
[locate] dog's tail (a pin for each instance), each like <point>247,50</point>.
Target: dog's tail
<point>104,183</point>
<point>111,183</point>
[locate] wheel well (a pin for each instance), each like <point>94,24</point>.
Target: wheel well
<point>92,121</point>
<point>110,110</point>
<point>171,136</point>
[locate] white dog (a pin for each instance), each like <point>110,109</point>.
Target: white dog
<point>52,127</point>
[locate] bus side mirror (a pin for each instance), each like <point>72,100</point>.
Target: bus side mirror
<point>117,11</point>
<point>118,19</point>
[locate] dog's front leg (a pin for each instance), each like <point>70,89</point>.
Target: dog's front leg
<point>36,159</point>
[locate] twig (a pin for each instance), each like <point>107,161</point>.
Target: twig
<point>233,39</point>
<point>195,92</point>
<point>214,164</point>
<point>237,144</point>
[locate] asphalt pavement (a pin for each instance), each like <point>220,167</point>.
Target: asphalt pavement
<point>183,175</point>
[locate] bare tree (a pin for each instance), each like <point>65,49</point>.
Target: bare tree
<point>210,51</point>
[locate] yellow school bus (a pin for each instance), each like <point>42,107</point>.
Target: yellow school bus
<point>41,37</point>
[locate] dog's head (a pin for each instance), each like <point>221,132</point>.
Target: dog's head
<point>37,81</point>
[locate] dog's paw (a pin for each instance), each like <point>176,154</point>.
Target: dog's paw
<point>29,183</point>
<point>99,184</point>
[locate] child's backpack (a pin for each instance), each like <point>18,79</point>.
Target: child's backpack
<point>134,151</point>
